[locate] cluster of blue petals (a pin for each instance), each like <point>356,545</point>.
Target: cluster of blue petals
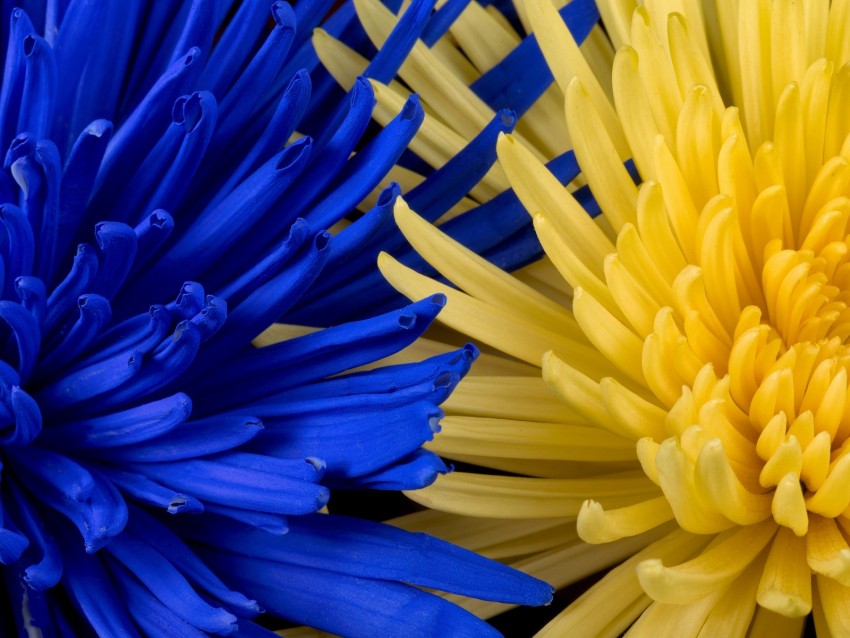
<point>160,475</point>
<point>499,230</point>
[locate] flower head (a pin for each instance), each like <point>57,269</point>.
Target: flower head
<point>700,352</point>
<point>158,211</point>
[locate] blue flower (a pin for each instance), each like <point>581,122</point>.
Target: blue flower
<point>161,476</point>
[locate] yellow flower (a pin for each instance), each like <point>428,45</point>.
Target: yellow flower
<point>699,346</point>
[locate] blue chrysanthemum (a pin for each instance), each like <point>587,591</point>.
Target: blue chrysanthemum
<point>160,476</point>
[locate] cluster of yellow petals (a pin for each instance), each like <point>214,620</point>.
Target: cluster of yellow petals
<point>703,350</point>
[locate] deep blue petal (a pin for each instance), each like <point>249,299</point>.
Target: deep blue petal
<point>117,243</point>
<point>159,369</point>
<point>367,168</point>
<point>218,228</point>
<point>42,560</point>
<point>128,427</point>
<point>415,471</point>
<point>306,359</point>
<point>192,439</point>
<point>164,581</point>
<point>363,434</point>
<point>26,332</point>
<point>26,415</point>
<point>151,234</point>
<point>219,482</point>
<point>92,592</point>
<point>441,20</point>
<point>133,140</point>
<point>144,490</point>
<point>181,556</point>
<point>96,93</point>
<point>237,290</point>
<point>290,109</point>
<point>151,615</point>
<point>13,75</point>
<point>232,48</point>
<point>49,242</point>
<point>399,44</point>
<point>33,296</point>
<point>199,117</point>
<point>94,314</point>
<point>91,381</point>
<point>39,92</point>
<point>266,303</point>
<point>367,549</point>
<point>268,523</point>
<point>352,606</point>
<point>523,75</point>
<point>447,185</point>
<point>137,334</point>
<point>79,174</point>
<point>326,162</point>
<point>236,106</point>
<point>198,30</point>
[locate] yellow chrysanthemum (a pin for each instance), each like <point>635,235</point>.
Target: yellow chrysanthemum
<point>700,347</point>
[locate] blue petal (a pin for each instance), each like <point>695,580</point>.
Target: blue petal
<point>160,369</point>
<point>290,109</point>
<point>42,559</point>
<point>160,577</point>
<point>33,296</point>
<point>268,523</point>
<point>144,490</point>
<point>13,75</point>
<point>64,297</point>
<point>369,166</point>
<point>199,118</point>
<point>253,81</point>
<point>89,382</point>
<point>441,20</point>
<point>218,228</point>
<point>198,29</point>
<point>21,243</point>
<point>237,290</point>
<point>108,48</point>
<point>523,75</point>
<point>415,471</point>
<point>192,439</point>
<point>94,315</point>
<point>26,332</point>
<point>151,234</point>
<point>132,140</point>
<point>232,48</point>
<point>352,606</point>
<point>399,44</point>
<point>39,92</point>
<point>315,356</point>
<point>137,334</point>
<point>152,616</point>
<point>354,435</point>
<point>92,592</point>
<point>129,427</point>
<point>267,303</point>
<point>243,487</point>
<point>181,556</point>
<point>80,172</point>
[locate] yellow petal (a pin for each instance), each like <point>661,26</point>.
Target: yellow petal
<point>597,525</point>
<point>709,572</point>
<point>827,551</point>
<point>786,583</point>
<point>520,497</point>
